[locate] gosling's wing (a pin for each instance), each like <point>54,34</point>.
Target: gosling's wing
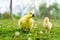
<point>50,25</point>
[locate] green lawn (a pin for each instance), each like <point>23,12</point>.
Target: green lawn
<point>9,27</point>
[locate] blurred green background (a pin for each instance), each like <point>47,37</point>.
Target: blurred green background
<point>41,8</point>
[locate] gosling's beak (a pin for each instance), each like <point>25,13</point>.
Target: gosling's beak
<point>33,15</point>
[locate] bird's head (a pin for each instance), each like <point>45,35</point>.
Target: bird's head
<point>46,19</point>
<point>30,14</point>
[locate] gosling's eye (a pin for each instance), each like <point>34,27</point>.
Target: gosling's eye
<point>30,13</point>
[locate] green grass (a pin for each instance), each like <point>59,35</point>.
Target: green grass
<point>8,27</point>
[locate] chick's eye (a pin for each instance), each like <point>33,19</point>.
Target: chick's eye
<point>30,13</point>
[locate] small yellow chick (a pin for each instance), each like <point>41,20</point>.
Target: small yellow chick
<point>47,24</point>
<point>26,21</point>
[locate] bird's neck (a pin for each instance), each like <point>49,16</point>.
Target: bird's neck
<point>27,18</point>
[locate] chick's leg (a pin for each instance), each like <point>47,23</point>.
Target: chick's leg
<point>47,30</point>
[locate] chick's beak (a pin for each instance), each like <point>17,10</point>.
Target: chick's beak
<point>33,15</point>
